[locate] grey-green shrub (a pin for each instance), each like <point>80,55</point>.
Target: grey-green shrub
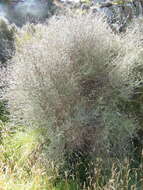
<point>61,82</point>
<point>127,74</point>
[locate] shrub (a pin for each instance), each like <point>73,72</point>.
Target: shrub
<point>127,73</point>
<point>127,76</point>
<point>61,81</point>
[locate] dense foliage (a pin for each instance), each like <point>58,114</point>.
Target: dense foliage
<point>73,89</point>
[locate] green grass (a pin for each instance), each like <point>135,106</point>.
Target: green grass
<point>21,168</point>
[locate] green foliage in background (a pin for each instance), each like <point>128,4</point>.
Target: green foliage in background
<point>4,114</point>
<point>6,40</point>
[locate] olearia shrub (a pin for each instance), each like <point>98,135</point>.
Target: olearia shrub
<point>127,76</point>
<point>63,80</point>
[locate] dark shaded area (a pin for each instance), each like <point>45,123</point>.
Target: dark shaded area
<point>22,11</point>
<point>4,114</point>
<point>7,47</point>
